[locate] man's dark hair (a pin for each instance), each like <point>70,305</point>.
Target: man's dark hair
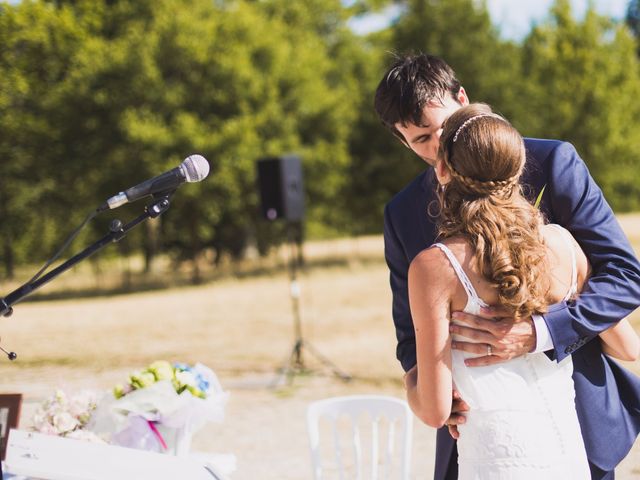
<point>411,83</point>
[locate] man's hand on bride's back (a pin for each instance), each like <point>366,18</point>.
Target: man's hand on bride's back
<point>494,334</point>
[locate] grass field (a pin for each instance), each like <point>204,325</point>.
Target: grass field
<point>240,325</point>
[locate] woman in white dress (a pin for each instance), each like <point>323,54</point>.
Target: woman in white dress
<point>496,250</point>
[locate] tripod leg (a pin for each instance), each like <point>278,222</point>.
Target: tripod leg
<point>325,361</point>
<point>289,367</point>
<point>295,363</point>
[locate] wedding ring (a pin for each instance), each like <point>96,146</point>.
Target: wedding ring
<point>489,351</point>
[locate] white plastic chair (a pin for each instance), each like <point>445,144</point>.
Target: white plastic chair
<point>354,417</point>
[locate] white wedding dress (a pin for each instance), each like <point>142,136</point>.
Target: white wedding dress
<point>522,422</point>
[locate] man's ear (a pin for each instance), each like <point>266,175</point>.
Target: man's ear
<point>462,97</point>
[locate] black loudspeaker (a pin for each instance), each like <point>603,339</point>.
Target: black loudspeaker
<point>281,188</point>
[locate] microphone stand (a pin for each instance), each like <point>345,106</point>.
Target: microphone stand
<point>117,232</point>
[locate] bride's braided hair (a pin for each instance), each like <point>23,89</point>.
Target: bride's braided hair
<point>484,204</point>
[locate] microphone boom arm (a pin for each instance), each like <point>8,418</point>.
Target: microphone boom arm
<point>118,231</point>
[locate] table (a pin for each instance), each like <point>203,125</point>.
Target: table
<point>38,456</point>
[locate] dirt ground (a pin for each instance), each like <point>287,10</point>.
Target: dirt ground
<point>265,428</point>
<point>243,329</point>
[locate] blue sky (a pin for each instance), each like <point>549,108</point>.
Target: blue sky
<point>513,17</point>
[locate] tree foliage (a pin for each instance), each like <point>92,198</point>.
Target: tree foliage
<point>98,95</point>
<point>38,43</point>
<point>145,83</point>
<point>580,77</point>
<point>633,17</point>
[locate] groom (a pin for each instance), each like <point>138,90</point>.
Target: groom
<point>413,100</point>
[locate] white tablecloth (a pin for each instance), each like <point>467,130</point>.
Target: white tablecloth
<point>46,457</point>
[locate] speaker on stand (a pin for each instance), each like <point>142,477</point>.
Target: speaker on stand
<point>282,198</point>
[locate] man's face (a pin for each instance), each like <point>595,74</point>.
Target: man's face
<point>424,139</point>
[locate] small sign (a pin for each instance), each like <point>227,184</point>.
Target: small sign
<point>9,415</point>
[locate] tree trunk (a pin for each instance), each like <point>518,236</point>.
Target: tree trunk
<point>8,259</point>
<point>196,278</point>
<point>151,243</point>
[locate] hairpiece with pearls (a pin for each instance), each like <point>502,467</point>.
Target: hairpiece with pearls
<point>469,120</point>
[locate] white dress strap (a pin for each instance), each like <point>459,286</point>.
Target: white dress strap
<point>462,276</point>
<point>573,289</point>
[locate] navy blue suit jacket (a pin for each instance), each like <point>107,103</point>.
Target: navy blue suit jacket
<point>607,396</point>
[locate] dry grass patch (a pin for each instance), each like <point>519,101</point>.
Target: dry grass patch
<point>242,327</point>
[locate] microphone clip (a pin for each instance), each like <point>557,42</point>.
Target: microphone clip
<point>5,309</point>
<point>160,206</point>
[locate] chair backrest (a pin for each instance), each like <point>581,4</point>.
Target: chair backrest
<point>388,423</point>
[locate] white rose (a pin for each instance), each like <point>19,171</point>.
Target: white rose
<point>40,420</point>
<point>64,422</point>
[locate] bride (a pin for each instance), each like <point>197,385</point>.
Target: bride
<point>496,250</point>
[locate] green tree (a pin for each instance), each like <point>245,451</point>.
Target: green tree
<point>321,93</point>
<point>633,17</point>
<point>380,166</point>
<point>580,77</point>
<point>459,31</point>
<point>235,81</point>
<point>38,45</point>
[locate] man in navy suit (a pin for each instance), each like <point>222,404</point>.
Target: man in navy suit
<point>413,100</point>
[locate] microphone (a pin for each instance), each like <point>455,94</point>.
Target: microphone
<point>194,168</point>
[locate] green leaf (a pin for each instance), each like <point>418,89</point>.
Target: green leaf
<point>539,197</point>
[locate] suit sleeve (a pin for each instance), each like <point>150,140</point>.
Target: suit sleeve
<point>613,291</point>
<point>398,265</point>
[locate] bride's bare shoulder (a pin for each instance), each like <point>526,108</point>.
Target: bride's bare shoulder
<point>433,263</point>
<point>559,241</point>
<point>428,258</point>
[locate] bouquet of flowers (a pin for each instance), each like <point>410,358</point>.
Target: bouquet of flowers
<point>160,407</point>
<point>67,416</point>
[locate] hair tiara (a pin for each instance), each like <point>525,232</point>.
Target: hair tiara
<point>493,187</point>
<point>471,119</point>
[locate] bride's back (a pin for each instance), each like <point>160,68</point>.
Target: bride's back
<point>521,421</point>
<point>559,245</point>
<point>498,236</point>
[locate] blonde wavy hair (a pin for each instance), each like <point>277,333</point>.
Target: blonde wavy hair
<point>483,203</point>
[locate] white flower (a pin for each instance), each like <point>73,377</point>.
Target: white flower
<point>161,369</point>
<point>186,378</point>
<point>60,397</point>
<point>81,405</point>
<point>40,419</point>
<point>61,414</point>
<point>65,422</point>
<point>142,379</point>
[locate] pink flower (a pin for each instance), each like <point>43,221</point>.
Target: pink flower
<point>61,415</point>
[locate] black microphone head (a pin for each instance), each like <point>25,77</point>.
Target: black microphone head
<point>195,168</point>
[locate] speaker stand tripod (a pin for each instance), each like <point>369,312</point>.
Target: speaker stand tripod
<point>294,364</point>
